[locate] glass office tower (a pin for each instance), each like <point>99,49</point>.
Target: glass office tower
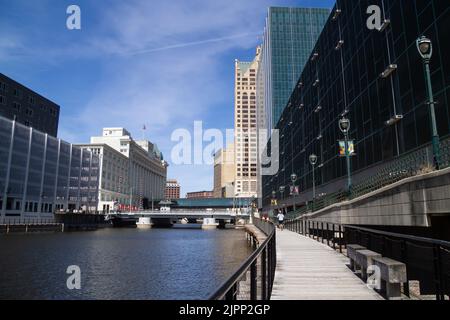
<point>375,78</point>
<point>289,36</point>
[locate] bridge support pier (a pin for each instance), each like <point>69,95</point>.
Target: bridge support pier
<point>144,223</point>
<point>209,223</point>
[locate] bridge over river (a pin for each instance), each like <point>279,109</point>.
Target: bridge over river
<point>208,218</point>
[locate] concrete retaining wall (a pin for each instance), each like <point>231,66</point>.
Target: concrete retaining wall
<point>410,202</point>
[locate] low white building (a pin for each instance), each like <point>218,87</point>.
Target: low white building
<point>133,173</point>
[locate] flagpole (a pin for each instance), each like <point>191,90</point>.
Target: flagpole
<point>143,132</point>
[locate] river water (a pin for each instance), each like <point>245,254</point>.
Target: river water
<point>120,263</point>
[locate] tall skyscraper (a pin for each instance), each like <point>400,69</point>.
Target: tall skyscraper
<point>246,149</point>
<point>289,36</point>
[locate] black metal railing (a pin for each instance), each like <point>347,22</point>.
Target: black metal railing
<point>27,221</point>
<point>427,260</point>
<point>254,278</point>
<point>408,165</point>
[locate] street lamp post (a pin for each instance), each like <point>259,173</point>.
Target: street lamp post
<point>252,204</point>
<point>344,126</point>
<point>131,197</point>
<point>313,161</point>
<point>274,197</point>
<point>425,48</point>
<point>294,191</point>
<point>282,189</point>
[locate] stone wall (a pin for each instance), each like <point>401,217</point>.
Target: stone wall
<point>410,202</point>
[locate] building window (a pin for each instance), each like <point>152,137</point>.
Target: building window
<point>29,112</point>
<point>3,100</point>
<point>52,112</point>
<point>16,106</point>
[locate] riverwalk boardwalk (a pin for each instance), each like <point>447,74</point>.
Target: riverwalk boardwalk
<point>309,270</point>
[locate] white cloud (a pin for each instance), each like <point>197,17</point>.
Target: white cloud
<point>160,65</point>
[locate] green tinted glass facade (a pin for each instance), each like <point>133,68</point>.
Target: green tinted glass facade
<point>290,35</point>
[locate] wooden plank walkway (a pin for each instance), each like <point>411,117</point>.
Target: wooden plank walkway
<point>309,270</point>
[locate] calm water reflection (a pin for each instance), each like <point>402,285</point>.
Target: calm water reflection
<point>120,263</point>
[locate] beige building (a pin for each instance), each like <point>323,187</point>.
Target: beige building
<point>224,171</point>
<point>246,123</point>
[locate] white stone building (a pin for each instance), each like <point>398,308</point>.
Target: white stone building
<point>133,173</point>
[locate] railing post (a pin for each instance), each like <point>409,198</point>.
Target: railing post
<point>404,257</point>
<point>317,231</point>
<point>269,268</point>
<point>328,238</point>
<point>322,232</point>
<point>313,231</point>
<point>231,294</point>
<point>437,272</point>
<point>334,237</point>
<point>340,239</point>
<point>273,248</point>
<point>264,275</point>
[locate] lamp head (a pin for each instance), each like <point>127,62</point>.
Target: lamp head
<point>313,159</point>
<point>344,125</point>
<point>425,47</point>
<point>293,177</point>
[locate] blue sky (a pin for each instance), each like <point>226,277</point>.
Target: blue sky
<point>164,64</point>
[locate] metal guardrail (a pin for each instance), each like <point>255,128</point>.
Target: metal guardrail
<point>445,153</point>
<point>27,221</point>
<point>254,278</point>
<point>427,260</point>
<point>409,165</point>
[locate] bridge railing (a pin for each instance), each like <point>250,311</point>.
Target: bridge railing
<point>427,260</point>
<point>175,211</point>
<point>254,278</point>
